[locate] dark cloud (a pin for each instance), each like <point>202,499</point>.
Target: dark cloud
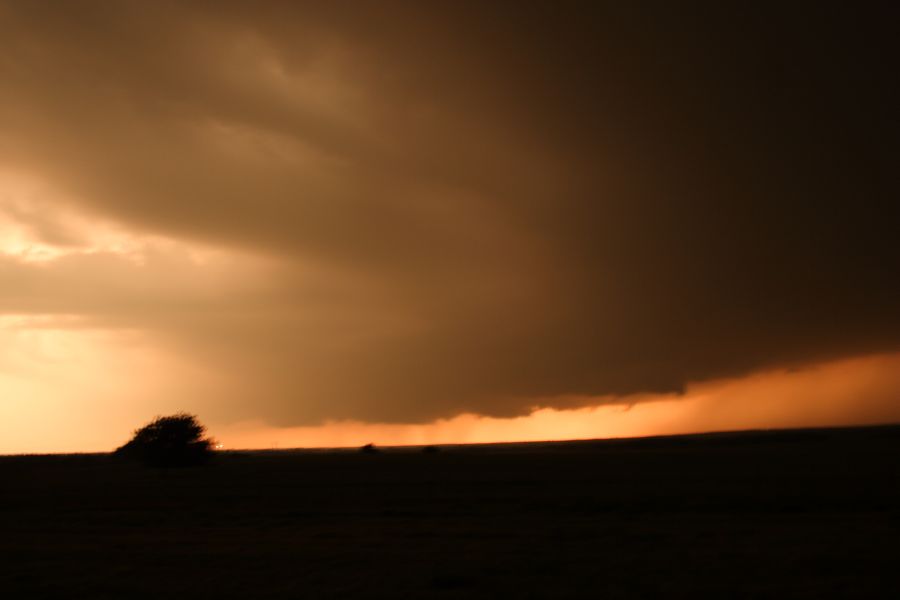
<point>476,206</point>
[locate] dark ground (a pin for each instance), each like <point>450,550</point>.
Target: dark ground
<point>808,514</point>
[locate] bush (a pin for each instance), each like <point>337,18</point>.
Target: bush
<point>174,441</point>
<point>369,449</point>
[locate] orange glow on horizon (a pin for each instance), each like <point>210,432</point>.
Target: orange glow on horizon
<point>101,406</point>
<point>855,391</point>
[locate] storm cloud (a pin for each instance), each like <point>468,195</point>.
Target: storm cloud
<point>415,210</point>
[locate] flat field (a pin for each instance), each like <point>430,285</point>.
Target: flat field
<point>790,514</point>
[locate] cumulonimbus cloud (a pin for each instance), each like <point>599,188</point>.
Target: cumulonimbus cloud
<point>462,208</point>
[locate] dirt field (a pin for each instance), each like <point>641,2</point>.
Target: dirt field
<point>806,514</point>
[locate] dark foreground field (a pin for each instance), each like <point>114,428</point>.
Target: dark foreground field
<point>791,514</point>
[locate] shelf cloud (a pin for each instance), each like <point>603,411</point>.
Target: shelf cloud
<point>402,212</point>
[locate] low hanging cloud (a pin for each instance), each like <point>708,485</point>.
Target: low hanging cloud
<point>403,212</point>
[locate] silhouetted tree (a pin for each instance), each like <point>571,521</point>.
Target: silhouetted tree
<point>174,441</point>
<point>369,449</point>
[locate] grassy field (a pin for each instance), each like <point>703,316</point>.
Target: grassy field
<point>811,514</point>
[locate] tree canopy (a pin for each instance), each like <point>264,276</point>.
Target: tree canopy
<point>172,441</point>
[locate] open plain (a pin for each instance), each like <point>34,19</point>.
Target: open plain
<point>799,514</point>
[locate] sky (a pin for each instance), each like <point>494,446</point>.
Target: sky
<point>329,223</point>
